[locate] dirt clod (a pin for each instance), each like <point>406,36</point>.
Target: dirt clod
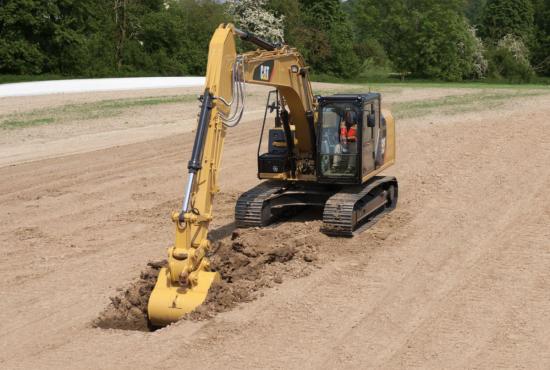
<point>308,258</point>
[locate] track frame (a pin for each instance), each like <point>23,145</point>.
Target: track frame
<point>347,210</point>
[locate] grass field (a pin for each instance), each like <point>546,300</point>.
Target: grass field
<point>86,111</point>
<point>460,103</point>
<point>491,96</point>
<point>6,79</point>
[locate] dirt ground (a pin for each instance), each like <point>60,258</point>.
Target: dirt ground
<point>458,276</point>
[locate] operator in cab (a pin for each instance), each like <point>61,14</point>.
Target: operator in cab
<point>348,142</point>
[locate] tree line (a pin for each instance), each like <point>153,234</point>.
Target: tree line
<point>433,39</point>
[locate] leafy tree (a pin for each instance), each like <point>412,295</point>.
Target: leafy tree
<point>474,10</point>
<point>429,38</point>
<point>168,37</point>
<point>369,36</point>
<point>163,43</point>
<point>323,33</point>
<point>328,38</point>
<point>541,46</point>
<point>293,25</point>
<point>438,45</point>
<point>44,36</point>
<point>508,17</point>
<point>128,20</point>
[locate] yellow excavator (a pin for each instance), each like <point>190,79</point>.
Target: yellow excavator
<point>322,151</point>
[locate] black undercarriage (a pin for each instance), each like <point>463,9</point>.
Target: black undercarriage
<point>345,208</point>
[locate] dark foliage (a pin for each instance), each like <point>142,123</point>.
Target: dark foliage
<point>426,38</point>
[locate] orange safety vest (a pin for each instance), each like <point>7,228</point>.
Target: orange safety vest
<point>349,134</point>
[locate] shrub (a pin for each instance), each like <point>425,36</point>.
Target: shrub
<point>509,60</point>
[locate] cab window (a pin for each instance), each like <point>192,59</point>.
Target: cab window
<point>339,133</point>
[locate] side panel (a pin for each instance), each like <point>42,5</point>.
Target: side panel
<point>368,135</point>
<point>390,152</point>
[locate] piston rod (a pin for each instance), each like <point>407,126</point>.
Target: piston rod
<point>195,164</point>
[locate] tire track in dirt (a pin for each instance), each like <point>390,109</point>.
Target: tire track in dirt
<point>434,316</point>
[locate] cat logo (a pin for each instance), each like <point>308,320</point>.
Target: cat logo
<point>264,73</point>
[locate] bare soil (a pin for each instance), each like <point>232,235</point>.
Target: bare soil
<point>457,276</point>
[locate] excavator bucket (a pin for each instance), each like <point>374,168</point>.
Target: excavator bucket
<point>169,302</point>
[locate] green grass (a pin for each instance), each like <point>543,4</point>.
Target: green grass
<point>25,123</point>
<point>460,103</point>
<point>6,79</point>
<point>122,104</point>
<point>466,85</point>
<point>87,111</point>
<point>376,80</point>
<point>399,87</point>
<point>492,96</point>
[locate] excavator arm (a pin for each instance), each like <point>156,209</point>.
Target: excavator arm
<point>184,283</point>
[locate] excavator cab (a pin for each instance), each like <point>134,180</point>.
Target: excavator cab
<point>351,137</point>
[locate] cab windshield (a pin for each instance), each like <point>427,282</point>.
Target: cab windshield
<point>339,139</point>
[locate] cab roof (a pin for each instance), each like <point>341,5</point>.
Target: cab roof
<point>349,97</point>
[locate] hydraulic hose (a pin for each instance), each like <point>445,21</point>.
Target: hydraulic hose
<point>250,37</point>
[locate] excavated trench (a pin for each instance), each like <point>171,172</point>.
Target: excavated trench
<point>249,261</point>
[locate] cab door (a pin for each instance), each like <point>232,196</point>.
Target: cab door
<point>370,121</point>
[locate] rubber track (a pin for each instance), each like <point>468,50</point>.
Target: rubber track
<point>249,208</point>
<point>338,216</point>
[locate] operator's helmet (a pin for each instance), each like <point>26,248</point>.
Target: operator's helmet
<point>349,118</point>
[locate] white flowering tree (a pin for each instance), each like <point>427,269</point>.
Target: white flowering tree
<point>480,65</point>
<point>253,16</point>
<point>510,59</point>
<point>516,47</point>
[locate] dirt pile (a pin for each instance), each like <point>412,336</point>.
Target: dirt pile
<point>252,260</point>
<point>248,261</point>
<point>128,310</point>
